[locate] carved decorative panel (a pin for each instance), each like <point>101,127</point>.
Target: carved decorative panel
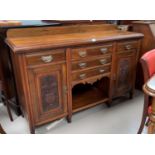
<point>123,73</point>
<point>49,92</point>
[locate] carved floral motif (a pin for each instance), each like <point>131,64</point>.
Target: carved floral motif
<point>123,75</point>
<point>49,92</point>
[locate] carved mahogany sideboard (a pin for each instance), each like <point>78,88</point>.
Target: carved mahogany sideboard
<point>62,70</point>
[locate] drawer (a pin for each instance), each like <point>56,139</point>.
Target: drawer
<point>127,52</point>
<point>52,56</point>
<point>87,52</point>
<point>84,64</point>
<point>127,45</point>
<point>90,73</point>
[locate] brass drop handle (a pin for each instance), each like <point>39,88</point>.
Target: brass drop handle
<point>103,61</point>
<point>101,70</point>
<point>128,47</point>
<point>82,76</point>
<point>82,64</point>
<point>82,54</point>
<point>47,59</point>
<point>104,50</point>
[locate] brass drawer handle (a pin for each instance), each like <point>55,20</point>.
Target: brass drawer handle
<point>82,54</point>
<point>82,76</point>
<point>101,70</point>
<point>47,59</point>
<point>128,47</point>
<point>104,50</point>
<point>82,64</point>
<point>103,61</point>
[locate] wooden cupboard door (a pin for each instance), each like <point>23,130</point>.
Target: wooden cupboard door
<point>48,86</point>
<point>124,73</point>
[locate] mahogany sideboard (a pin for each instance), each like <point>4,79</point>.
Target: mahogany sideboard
<point>63,70</point>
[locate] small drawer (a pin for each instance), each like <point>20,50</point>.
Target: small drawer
<point>127,45</point>
<point>127,52</point>
<point>79,65</point>
<point>44,57</point>
<point>90,73</point>
<point>87,52</point>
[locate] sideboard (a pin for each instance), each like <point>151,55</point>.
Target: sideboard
<point>62,70</point>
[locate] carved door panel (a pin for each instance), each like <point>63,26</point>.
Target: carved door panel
<point>48,92</point>
<point>124,75</point>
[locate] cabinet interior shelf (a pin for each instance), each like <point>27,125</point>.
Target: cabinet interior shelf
<point>86,96</point>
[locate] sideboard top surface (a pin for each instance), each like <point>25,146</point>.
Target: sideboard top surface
<point>33,38</point>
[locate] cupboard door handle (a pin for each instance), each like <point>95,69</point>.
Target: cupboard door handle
<point>101,70</point>
<point>128,47</point>
<point>82,64</point>
<point>103,61</point>
<point>82,54</point>
<point>47,59</point>
<point>104,50</point>
<point>82,76</point>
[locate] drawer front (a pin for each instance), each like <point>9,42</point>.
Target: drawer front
<point>52,56</point>
<point>80,53</point>
<point>127,52</point>
<point>127,45</point>
<point>81,65</point>
<point>90,73</point>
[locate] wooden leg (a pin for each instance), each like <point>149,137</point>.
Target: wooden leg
<point>3,101</point>
<point>1,130</point>
<point>144,115</point>
<point>151,124</point>
<point>147,122</point>
<point>9,110</point>
<point>108,103</point>
<point>31,127</point>
<point>6,103</point>
<point>69,118</point>
<point>142,124</point>
<point>22,113</point>
<point>32,130</point>
<point>151,127</point>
